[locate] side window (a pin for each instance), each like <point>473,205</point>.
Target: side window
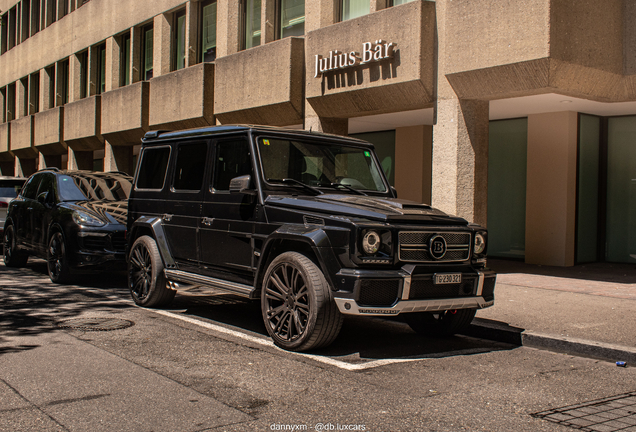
<point>190,166</point>
<point>47,185</point>
<point>31,188</point>
<point>152,171</point>
<point>232,160</point>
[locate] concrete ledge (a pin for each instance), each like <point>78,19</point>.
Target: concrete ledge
<point>502,332</point>
<point>5,154</point>
<point>21,142</point>
<point>48,131</point>
<point>125,114</point>
<point>82,124</point>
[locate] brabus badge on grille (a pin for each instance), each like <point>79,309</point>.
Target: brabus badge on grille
<point>437,247</point>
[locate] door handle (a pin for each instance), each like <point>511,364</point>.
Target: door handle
<point>207,221</point>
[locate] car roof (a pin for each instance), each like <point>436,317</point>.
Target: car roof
<point>83,173</point>
<point>161,135</point>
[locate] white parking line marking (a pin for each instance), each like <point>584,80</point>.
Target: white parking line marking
<point>318,358</point>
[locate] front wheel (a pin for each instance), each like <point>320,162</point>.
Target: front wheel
<point>57,259</point>
<point>441,324</point>
<point>12,256</point>
<point>146,281</point>
<point>297,304</point>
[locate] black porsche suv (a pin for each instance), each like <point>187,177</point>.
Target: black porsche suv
<point>305,222</point>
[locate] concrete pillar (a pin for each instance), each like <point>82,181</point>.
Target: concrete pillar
<point>320,13</point>
<point>45,89</point>
<point>413,162</point>
<point>135,51</point>
<point>268,21</point>
<point>377,5</point>
<point>80,160</point>
<point>228,30</point>
<point>25,167</point>
<point>338,126</point>
<point>460,145</point>
<point>551,188</point>
<point>192,32</point>
<point>49,161</point>
<point>162,47</point>
<point>118,158</point>
<point>113,60</point>
<point>22,87</point>
<point>34,93</point>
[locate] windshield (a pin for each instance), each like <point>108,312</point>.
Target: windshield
<point>94,186</point>
<point>320,164</point>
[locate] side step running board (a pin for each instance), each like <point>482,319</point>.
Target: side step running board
<point>242,290</point>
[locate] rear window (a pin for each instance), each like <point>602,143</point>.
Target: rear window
<point>152,170</point>
<point>10,188</point>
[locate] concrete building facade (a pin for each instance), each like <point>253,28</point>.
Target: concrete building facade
<point>516,114</point>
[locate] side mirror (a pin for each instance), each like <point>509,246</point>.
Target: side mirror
<point>242,184</point>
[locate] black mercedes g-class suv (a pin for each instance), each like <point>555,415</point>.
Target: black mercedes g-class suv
<point>305,222</point>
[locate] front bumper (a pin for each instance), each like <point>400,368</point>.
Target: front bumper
<point>408,290</point>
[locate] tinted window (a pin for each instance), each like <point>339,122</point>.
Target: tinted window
<point>190,166</point>
<point>31,188</point>
<point>46,185</point>
<point>152,172</point>
<point>94,186</point>
<point>232,160</point>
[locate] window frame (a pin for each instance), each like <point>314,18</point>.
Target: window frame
<point>149,28</point>
<point>141,160</point>
<point>201,56</point>
<point>180,14</point>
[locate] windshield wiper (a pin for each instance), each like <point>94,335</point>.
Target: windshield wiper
<point>296,182</point>
<point>337,185</point>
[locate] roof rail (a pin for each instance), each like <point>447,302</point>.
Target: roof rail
<point>50,169</point>
<point>154,134</point>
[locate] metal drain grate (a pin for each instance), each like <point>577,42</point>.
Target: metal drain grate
<point>616,413</point>
<point>95,324</point>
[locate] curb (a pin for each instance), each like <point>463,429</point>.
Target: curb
<point>502,332</point>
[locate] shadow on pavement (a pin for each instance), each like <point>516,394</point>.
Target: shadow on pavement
<point>602,271</point>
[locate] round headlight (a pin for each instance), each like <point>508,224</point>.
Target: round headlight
<point>371,242</point>
<point>480,243</point>
<point>85,219</point>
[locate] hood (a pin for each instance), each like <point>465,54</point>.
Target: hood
<point>375,208</point>
<point>108,211</point>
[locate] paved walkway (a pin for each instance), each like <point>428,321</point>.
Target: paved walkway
<point>585,309</point>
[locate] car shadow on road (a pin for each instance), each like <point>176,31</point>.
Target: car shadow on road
<point>361,338</point>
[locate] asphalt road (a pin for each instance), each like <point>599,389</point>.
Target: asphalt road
<point>205,363</point>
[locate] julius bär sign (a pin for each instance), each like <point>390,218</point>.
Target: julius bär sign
<point>371,52</point>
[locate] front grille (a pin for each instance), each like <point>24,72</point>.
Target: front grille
<point>378,292</point>
<point>95,243</point>
<point>113,242</point>
<point>414,246</point>
<point>118,241</point>
<point>425,289</point>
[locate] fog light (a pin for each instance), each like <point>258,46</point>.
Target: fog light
<point>347,306</point>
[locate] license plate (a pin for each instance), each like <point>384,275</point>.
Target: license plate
<point>447,278</point>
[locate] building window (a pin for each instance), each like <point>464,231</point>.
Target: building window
<point>51,12</point>
<point>83,61</point>
<point>292,18</point>
<point>34,93</point>
<point>4,28</point>
<point>25,26</point>
<point>179,42</point>
<point>101,69</point>
<point>125,60</point>
<point>399,2</point>
<point>62,70</point>
<point>354,8</point>
<point>35,16</point>
<point>146,52</point>
<point>64,10</point>
<point>11,102</point>
<point>12,28</point>
<point>50,71</point>
<point>208,31</point>
<point>252,23</point>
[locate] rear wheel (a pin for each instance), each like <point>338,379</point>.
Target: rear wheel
<point>445,323</point>
<point>146,281</point>
<point>13,257</point>
<point>297,304</point>
<point>57,259</point>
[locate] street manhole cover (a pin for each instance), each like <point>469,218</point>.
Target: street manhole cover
<point>95,324</point>
<point>616,413</point>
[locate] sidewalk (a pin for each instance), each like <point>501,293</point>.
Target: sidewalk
<point>587,310</point>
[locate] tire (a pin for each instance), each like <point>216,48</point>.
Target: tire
<point>13,257</point>
<point>146,280</point>
<point>446,323</point>
<point>57,259</point>
<point>297,304</point>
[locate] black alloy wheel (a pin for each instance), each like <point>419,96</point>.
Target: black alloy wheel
<point>146,280</point>
<point>297,304</point>
<point>57,260</point>
<point>12,256</point>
